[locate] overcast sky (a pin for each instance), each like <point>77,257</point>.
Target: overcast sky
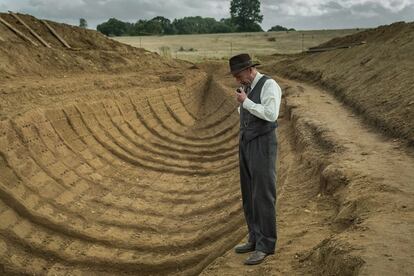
<point>298,14</point>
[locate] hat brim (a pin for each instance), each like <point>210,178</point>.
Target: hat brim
<point>243,68</point>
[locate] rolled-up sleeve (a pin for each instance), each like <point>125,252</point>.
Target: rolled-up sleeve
<point>270,98</point>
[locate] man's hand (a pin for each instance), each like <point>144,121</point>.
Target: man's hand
<point>241,96</point>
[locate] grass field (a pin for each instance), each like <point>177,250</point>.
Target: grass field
<point>218,46</point>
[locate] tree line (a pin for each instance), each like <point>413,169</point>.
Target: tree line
<point>163,26</point>
<point>244,17</point>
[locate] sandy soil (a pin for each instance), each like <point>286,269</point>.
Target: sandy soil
<point>374,78</point>
<point>115,161</point>
<point>344,195</point>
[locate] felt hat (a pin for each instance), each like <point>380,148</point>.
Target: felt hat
<point>240,62</point>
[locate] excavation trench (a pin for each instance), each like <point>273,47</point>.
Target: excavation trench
<point>146,182</point>
<point>143,176</point>
<point>116,161</point>
<point>134,183</point>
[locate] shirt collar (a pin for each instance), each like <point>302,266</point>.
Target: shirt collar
<point>256,79</point>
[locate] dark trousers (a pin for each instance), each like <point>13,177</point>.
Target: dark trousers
<point>258,187</point>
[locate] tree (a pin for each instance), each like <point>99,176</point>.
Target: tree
<point>191,25</point>
<point>202,25</point>
<point>223,26</point>
<point>245,14</point>
<point>139,28</point>
<point>279,28</point>
<point>83,23</point>
<point>114,27</point>
<point>164,24</point>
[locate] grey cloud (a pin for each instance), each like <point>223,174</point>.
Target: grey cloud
<point>347,18</point>
<point>333,6</point>
<point>368,14</point>
<point>127,10</point>
<point>329,14</point>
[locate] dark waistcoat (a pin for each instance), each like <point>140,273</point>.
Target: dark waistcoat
<point>250,125</point>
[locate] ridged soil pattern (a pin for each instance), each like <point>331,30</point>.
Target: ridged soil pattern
<point>143,183</point>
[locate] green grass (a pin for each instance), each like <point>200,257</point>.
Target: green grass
<point>222,46</point>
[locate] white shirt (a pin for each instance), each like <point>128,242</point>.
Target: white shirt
<point>270,98</point>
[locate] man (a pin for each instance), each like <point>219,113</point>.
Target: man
<point>259,99</point>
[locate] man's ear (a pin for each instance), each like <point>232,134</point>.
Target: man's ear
<point>251,71</point>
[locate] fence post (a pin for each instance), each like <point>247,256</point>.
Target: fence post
<point>303,38</point>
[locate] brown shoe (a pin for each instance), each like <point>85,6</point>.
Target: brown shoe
<point>245,247</point>
<point>256,258</point>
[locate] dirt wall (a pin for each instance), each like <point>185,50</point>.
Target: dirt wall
<point>375,78</point>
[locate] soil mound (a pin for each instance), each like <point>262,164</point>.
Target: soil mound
<point>399,31</point>
<point>76,37</point>
<point>33,75</point>
<point>374,78</point>
<point>90,51</point>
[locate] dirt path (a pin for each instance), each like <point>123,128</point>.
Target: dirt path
<point>345,194</point>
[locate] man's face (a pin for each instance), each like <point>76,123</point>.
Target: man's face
<point>244,77</point>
